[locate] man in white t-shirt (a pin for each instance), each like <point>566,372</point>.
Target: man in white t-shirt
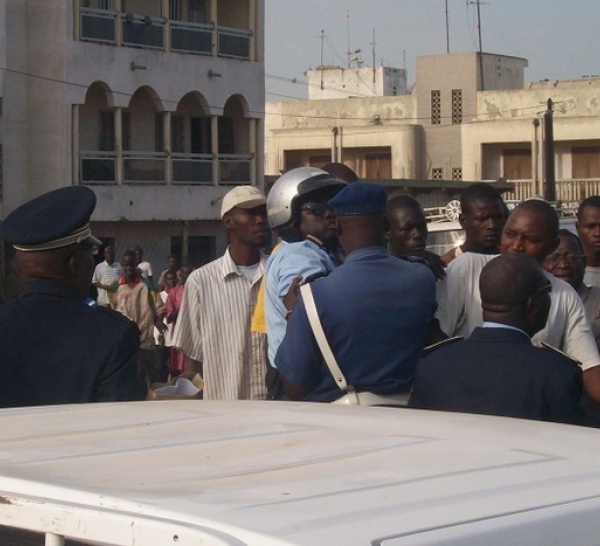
<point>143,266</point>
<point>532,228</point>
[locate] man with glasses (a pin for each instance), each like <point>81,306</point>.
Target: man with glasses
<point>54,348</point>
<point>297,212</point>
<point>567,262</point>
<point>497,370</point>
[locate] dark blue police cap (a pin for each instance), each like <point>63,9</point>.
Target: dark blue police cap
<point>53,220</point>
<point>359,198</point>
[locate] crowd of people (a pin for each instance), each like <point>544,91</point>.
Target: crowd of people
<point>349,308</point>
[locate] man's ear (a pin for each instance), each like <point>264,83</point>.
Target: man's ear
<point>227,220</point>
<point>461,220</point>
<point>386,227</point>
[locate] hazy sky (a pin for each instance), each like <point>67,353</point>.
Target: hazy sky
<point>560,38</point>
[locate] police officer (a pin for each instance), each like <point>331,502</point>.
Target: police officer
<point>54,347</point>
<point>497,370</point>
<point>375,310</point>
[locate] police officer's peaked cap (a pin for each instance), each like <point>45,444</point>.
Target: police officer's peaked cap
<point>53,220</point>
<point>359,198</point>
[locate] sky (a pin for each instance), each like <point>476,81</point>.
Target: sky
<point>559,38</point>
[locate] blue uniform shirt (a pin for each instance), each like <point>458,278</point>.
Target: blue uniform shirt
<point>375,310</point>
<point>291,260</point>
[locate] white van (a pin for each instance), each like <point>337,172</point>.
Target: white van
<point>282,473</point>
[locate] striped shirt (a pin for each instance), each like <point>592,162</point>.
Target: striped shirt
<point>213,327</point>
<point>106,274</point>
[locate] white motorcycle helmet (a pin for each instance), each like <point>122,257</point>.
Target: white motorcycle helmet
<point>289,190</point>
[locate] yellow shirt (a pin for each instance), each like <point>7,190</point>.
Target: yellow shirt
<point>259,324</point>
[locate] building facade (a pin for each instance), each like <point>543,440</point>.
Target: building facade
<point>469,117</point>
<point>157,105</point>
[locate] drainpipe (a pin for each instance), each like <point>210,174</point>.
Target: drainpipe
<point>535,156</point>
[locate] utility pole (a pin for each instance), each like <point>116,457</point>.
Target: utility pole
<point>550,175</point>
<point>478,4</point>
<point>321,62</point>
<point>447,30</point>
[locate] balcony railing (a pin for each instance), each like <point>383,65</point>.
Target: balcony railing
<point>98,167</point>
<point>566,189</point>
<point>234,169</point>
<point>234,42</point>
<point>144,167</point>
<point>101,168</point>
<point>142,30</point>
<point>192,169</point>
<point>98,25</point>
<point>191,37</point>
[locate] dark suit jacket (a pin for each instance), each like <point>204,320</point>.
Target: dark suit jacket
<point>498,371</point>
<point>55,349</point>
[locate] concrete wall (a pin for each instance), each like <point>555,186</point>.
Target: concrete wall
<point>340,83</point>
<point>374,122</point>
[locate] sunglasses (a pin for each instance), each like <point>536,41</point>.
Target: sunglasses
<point>317,209</point>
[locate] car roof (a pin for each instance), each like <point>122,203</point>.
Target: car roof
<point>295,473</point>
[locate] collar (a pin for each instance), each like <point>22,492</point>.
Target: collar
<point>231,268</point>
<point>366,251</point>
<point>316,241</point>
<point>489,324</point>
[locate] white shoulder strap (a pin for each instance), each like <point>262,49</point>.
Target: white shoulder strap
<point>317,328</point>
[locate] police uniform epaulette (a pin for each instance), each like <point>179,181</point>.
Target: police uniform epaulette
<point>443,343</point>
<point>314,276</point>
<point>551,348</point>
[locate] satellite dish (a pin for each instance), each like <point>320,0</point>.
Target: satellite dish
<point>453,210</point>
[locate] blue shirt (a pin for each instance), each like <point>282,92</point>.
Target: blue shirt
<point>291,260</point>
<point>375,310</point>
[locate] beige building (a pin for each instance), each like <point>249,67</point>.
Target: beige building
<point>154,104</point>
<point>469,117</point>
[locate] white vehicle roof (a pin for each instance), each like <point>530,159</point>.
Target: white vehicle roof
<point>275,473</point>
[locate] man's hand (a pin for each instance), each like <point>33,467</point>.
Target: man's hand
<point>291,298</point>
<point>431,260</point>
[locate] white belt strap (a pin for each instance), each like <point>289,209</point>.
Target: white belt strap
<point>317,329</point>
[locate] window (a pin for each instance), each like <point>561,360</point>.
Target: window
<point>436,107</point>
<point>177,134</point>
<point>197,11</point>
<point>457,106</point>
<point>126,130</point>
<point>517,164</point>
<point>457,173</point>
<point>586,161</point>
<point>437,173</point>
<point>107,131</point>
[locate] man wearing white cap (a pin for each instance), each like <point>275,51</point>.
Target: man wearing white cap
<point>213,325</point>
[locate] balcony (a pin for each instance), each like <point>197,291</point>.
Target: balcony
<point>191,37</point>
<point>142,31</point>
<point>149,31</point>
<point>192,169</point>
<point>98,167</point>
<point>150,168</point>
<point>234,169</point>
<point>97,25</point>
<point>566,189</point>
<point>234,43</point>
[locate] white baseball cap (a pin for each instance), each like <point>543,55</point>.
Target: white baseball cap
<point>245,197</point>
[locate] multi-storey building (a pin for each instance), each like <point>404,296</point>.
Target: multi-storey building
<point>469,117</point>
<point>157,105</point>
